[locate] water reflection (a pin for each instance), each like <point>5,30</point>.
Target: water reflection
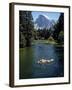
<point>26,62</point>
<point>29,68</point>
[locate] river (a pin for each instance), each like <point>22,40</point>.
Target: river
<point>29,56</point>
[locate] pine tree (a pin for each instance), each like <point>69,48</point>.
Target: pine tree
<point>59,27</point>
<point>26,26</point>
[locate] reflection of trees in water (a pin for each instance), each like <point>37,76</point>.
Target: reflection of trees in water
<point>26,63</point>
<point>60,59</point>
<point>59,52</point>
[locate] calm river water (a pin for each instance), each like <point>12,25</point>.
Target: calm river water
<point>29,56</point>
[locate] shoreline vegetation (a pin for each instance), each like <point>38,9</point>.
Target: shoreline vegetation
<point>46,42</point>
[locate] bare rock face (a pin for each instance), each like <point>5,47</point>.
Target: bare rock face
<point>43,22</point>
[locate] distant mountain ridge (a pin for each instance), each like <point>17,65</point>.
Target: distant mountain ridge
<point>43,22</point>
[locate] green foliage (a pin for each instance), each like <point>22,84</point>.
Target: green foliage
<point>26,27</point>
<point>50,38</point>
<point>59,29</point>
<point>61,37</point>
<point>22,40</point>
<point>41,34</point>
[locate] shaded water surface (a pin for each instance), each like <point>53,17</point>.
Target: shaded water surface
<point>29,56</point>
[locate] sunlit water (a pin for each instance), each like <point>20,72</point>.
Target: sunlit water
<point>29,56</point>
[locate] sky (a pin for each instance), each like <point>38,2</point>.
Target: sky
<point>50,15</point>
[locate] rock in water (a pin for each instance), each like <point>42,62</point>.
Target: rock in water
<point>44,61</point>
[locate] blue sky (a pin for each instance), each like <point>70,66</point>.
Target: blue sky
<point>50,15</point>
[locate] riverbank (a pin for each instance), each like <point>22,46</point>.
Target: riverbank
<point>47,42</point>
<point>43,41</point>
